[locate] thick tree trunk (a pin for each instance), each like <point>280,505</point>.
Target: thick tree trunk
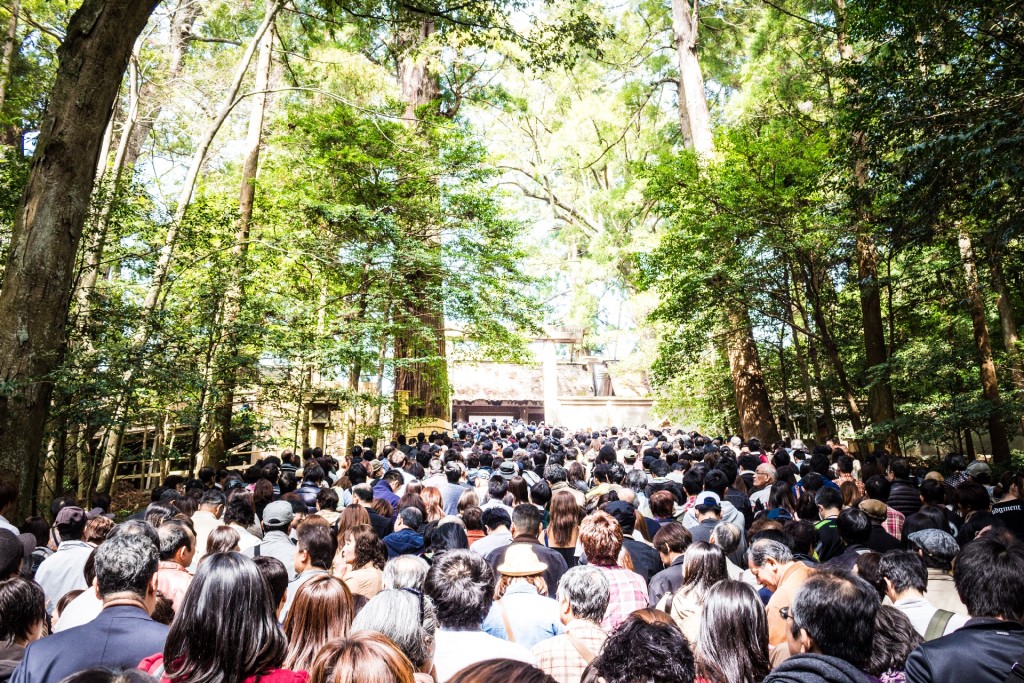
<point>695,117</point>
<point>752,402</point>
<point>217,444</point>
<point>7,58</point>
<point>1008,324</point>
<point>40,267</point>
<point>987,367</point>
<point>881,407</point>
<point>163,265</point>
<point>424,372</point>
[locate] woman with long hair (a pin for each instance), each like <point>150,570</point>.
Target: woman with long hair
<point>363,657</point>
<point>434,503</point>
<point>519,490</point>
<point>704,565</point>
<point>226,629</point>
<point>781,502</point>
<point>733,614</point>
<point>223,539</point>
<point>563,529</point>
<point>521,597</point>
<point>322,610</point>
<point>351,516</point>
<point>362,558</point>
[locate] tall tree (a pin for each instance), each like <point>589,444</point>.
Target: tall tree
<point>37,283</point>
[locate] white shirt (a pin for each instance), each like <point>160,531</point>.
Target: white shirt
<point>246,540</point>
<point>204,522</point>
<point>920,612</point>
<point>80,611</point>
<point>4,524</point>
<point>63,571</point>
<point>491,542</point>
<point>455,650</point>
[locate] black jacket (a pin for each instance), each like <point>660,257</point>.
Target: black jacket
<point>881,541</point>
<point>982,651</point>
<point>904,497</point>
<point>667,581</point>
<point>829,543</point>
<point>646,560</point>
<point>811,668</point>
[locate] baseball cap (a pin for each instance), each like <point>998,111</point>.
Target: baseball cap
<point>708,499</point>
<point>278,513</point>
<point>71,515</point>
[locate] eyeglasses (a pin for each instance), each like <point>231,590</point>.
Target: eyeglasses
<point>785,613</point>
<point>419,595</point>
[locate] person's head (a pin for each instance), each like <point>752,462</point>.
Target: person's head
<point>409,518</point>
<point>829,501</point>
<point>768,560</point>
<point>902,571</point>
<point>177,542</point>
<point>213,501</point>
<point>126,567</point>
<point>662,504</point>
<point>989,577</point>
<point>899,468</point>
<point>895,639</point>
<point>407,618</point>
<point>601,538</point>
<point>672,540</point>
<point>70,523</point>
<point>583,593</point>
<point>501,670</point>
<point>12,554</point>
<point>716,482</point>
<point>704,565</point>
<point>495,518</point>
<point>315,547</point>
<point>973,497</point>
<point>833,613</point>
<point>727,537</point>
<point>526,520</point>
<point>461,584</point>
<point>223,539</point>
<point>362,547</point>
<point>878,488</point>
<point>564,519</point>
<point>732,614</point>
<point>22,611</point>
<point>276,575</point>
<point>278,516</point>
<point>639,650</point>
<point>804,535</point>
<point>313,474</point>
<point>96,529</point>
<point>449,534</point>
<point>322,609</point>
<point>226,626</point>
<point>362,657</point>
<point>406,571</point>
<point>854,526</point>
<point>936,547</point>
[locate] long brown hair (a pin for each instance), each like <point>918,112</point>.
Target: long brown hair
<point>363,657</point>
<point>352,516</point>
<point>431,496</point>
<point>564,526</point>
<point>322,610</point>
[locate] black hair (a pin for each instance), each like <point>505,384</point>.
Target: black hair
<point>448,536</point>
<point>933,492</point>
<point>540,493</point>
<point>22,606</point>
<point>174,535</point>
<point>313,473</point>
<point>717,482</point>
<point>905,570</point>
<point>225,629</point>
<point>973,497</point>
<point>318,542</point>
<point>412,517</point>
<point>461,584</point>
<point>733,613</point>
<point>854,526</point>
<point>900,468</point>
<point>642,651</point>
<point>213,497</point>
<point>125,564</point>
<point>495,517</point>
<point>844,464</point>
<point>275,574</point>
<point>989,578</point>
<point>104,675</point>
<point>804,535</point>
<point>555,473</point>
<point>206,475</point>
<point>878,488</point>
<point>895,639</point>
<point>527,519</point>
<point>837,609</point>
<point>240,512</point>
<point>12,552</point>
<point>829,497</point>
<point>928,517</point>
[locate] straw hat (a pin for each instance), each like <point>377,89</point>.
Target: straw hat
<point>520,560</point>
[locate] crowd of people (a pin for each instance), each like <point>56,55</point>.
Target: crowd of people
<point>518,552</point>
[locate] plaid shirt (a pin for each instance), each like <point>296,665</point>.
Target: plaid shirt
<point>557,656</point>
<point>628,593</point>
<point>893,524</point>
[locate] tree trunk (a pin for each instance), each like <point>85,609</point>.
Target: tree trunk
<point>424,374</point>
<point>227,365</point>
<point>695,118</point>
<point>40,267</point>
<point>163,264</point>
<point>7,58</point>
<point>880,401</point>
<point>989,381</point>
<point>752,402</point>
<point>1008,324</point>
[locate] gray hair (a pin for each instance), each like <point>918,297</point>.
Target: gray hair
<point>125,564</point>
<point>727,537</point>
<point>406,571</point>
<point>587,590</point>
<point>636,480</point>
<point>765,549</point>
<point>407,618</point>
<point>451,519</point>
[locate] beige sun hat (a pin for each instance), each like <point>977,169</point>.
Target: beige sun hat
<point>520,560</point>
